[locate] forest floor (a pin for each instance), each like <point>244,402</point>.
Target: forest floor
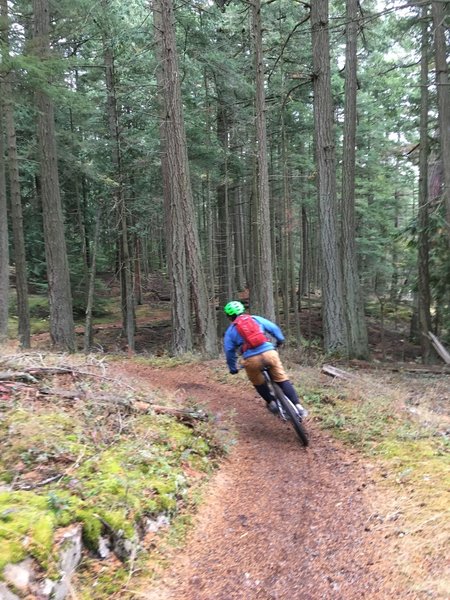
<point>362,513</point>
<point>282,522</point>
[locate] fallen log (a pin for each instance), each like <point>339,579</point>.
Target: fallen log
<point>61,393</point>
<point>29,372</point>
<point>335,372</point>
<point>17,375</point>
<point>443,353</point>
<point>182,414</point>
<point>425,369</point>
<point>143,405</point>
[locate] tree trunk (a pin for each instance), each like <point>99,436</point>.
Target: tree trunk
<point>305,258</point>
<point>253,254</point>
<point>440,12</point>
<point>239,243</point>
<point>4,246</point>
<point>81,217</point>
<point>225,288</point>
<point>60,298</point>
<point>176,248</point>
<point>353,304</point>
<point>265,292</point>
<point>286,231</point>
<point>91,286</point>
<point>20,263</point>
<point>126,277</point>
<point>424,299</point>
<point>184,226</point>
<point>335,339</point>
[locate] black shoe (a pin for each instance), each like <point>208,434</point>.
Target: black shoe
<point>272,407</point>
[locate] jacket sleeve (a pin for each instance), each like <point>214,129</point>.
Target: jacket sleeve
<point>229,346</point>
<point>271,328</point>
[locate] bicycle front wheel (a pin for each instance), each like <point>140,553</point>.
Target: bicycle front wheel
<point>293,415</point>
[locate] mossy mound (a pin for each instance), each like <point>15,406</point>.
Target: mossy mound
<point>110,469</point>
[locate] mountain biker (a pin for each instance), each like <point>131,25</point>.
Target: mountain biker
<point>256,358</point>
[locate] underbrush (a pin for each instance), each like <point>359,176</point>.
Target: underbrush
<point>408,455</point>
<point>79,447</point>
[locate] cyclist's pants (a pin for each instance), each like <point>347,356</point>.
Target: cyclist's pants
<point>271,359</point>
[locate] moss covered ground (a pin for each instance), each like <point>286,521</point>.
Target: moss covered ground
<point>400,423</point>
<point>86,458</point>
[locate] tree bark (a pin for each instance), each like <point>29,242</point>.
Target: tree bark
<point>265,292</point>
<point>224,271</point>
<point>60,298</point>
<point>77,189</point>
<point>176,248</point>
<point>20,262</point>
<point>91,286</point>
<point>4,245</point>
<point>286,232</point>
<point>424,298</point>
<point>440,12</point>
<point>335,338</point>
<point>353,305</point>
<point>126,277</point>
<point>182,215</point>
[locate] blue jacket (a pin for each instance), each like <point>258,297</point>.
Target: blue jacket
<point>233,340</point>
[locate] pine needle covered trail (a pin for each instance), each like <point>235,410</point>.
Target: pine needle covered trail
<point>278,521</point>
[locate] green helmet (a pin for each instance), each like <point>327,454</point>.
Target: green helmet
<point>234,308</point>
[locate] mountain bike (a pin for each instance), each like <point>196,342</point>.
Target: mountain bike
<point>286,408</point>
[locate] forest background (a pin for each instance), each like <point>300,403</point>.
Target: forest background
<point>160,158</point>
<point>277,151</point>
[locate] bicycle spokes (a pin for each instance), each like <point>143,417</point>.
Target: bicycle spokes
<point>282,412</point>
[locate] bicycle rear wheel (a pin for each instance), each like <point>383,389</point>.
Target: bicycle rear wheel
<point>293,415</point>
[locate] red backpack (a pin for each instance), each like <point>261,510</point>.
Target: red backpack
<point>251,332</point>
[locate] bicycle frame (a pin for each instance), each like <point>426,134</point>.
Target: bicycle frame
<point>286,409</point>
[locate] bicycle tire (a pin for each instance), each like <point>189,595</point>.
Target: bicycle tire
<point>288,407</point>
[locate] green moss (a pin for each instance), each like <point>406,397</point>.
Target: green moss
<point>37,436</point>
<point>200,463</point>
<point>6,476</point>
<point>107,488</point>
<point>26,527</point>
<point>119,520</point>
<point>92,528</point>
<point>11,551</point>
<point>179,434</point>
<point>406,452</point>
<point>102,584</point>
<point>418,461</point>
<point>41,534</point>
<point>162,486</point>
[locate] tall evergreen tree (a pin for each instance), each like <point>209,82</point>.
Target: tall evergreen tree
<point>335,338</point>
<point>441,22</point>
<point>20,262</point>
<point>353,302</point>
<point>180,191</point>
<point>176,248</point>
<point>4,245</point>
<point>123,243</point>
<point>264,293</point>
<point>59,290</point>
<point>423,215</point>
<point>223,235</point>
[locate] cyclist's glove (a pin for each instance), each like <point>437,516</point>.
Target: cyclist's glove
<point>279,344</point>
<point>233,371</point>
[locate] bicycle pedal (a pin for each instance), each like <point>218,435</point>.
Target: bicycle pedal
<point>282,414</point>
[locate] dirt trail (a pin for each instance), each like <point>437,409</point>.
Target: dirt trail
<point>279,521</point>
